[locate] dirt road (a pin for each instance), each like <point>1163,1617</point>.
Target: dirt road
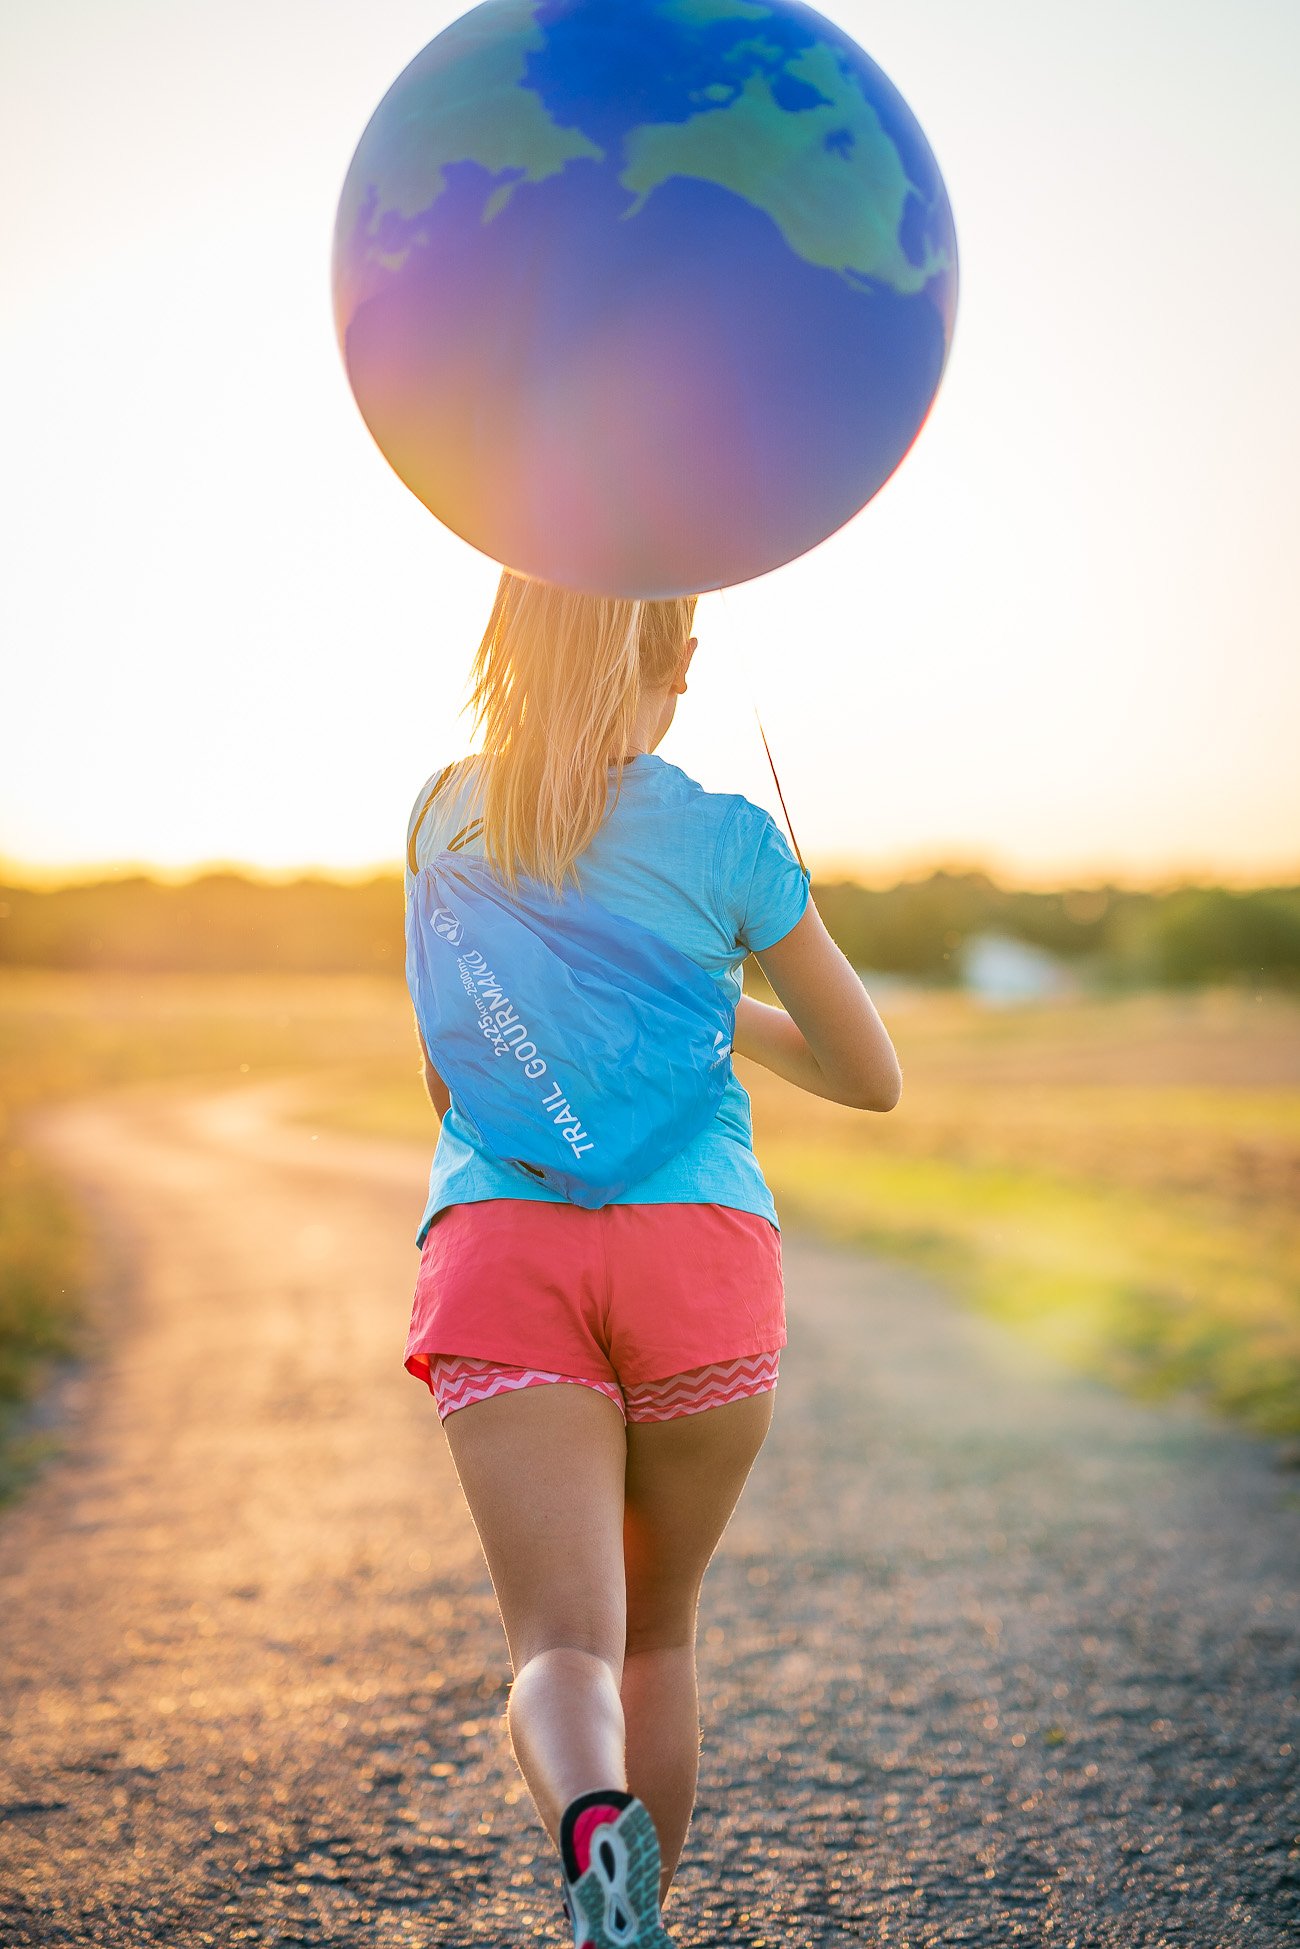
<point>989,1655</point>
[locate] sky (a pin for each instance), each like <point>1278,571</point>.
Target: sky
<point>1059,645</point>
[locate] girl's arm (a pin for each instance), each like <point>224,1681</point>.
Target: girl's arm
<point>827,1037</point>
<point>768,1036</point>
<point>439,1094</point>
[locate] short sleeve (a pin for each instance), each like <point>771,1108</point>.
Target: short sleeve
<point>760,886</point>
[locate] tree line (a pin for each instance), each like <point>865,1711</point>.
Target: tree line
<point>1113,937</point>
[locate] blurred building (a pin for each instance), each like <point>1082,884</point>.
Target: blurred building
<point>999,970</point>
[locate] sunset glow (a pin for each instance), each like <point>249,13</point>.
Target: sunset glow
<point>1059,644</point>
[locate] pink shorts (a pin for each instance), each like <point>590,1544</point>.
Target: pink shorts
<point>623,1298</point>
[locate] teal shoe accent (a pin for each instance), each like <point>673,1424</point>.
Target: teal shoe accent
<point>615,1903</point>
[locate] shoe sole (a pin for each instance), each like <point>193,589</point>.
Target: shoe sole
<point>618,1897</point>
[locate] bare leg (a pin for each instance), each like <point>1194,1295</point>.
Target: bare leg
<point>662,1713</point>
<point>597,1542</point>
<point>542,1471</point>
<point>684,1479</point>
<point>566,1727</point>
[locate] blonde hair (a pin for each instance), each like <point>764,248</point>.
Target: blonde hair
<point>555,685</point>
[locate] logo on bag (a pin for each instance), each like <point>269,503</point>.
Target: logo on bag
<point>721,1048</point>
<point>446,925</point>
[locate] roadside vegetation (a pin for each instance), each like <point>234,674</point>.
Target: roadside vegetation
<point>1108,938</point>
<point>1118,1181</point>
<point>42,1287</point>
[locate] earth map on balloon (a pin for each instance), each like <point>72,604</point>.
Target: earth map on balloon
<point>655,294</point>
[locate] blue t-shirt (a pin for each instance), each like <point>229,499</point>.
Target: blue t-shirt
<point>711,873</point>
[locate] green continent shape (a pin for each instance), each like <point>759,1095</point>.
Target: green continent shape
<point>840,211</point>
<point>703,13</point>
<point>468,103</point>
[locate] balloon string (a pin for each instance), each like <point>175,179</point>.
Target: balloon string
<point>780,794</point>
<point>763,734</point>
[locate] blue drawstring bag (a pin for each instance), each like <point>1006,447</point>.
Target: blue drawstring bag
<point>584,1048</point>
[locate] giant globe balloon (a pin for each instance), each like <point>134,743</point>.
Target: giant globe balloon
<point>644,297</point>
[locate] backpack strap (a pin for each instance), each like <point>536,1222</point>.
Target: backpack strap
<point>463,837</point>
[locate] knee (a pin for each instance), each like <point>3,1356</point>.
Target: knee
<point>662,1619</point>
<point>569,1666</point>
<point>580,1620</point>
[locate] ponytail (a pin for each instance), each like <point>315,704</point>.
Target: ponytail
<point>555,686</point>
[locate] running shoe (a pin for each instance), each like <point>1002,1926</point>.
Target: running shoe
<point>610,1855</point>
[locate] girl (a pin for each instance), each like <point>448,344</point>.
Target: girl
<point>605,1376</point>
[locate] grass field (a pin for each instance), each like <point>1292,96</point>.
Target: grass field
<point>1120,1181</point>
<point>1116,1179</point>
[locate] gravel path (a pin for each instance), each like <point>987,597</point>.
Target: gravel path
<point>988,1654</point>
